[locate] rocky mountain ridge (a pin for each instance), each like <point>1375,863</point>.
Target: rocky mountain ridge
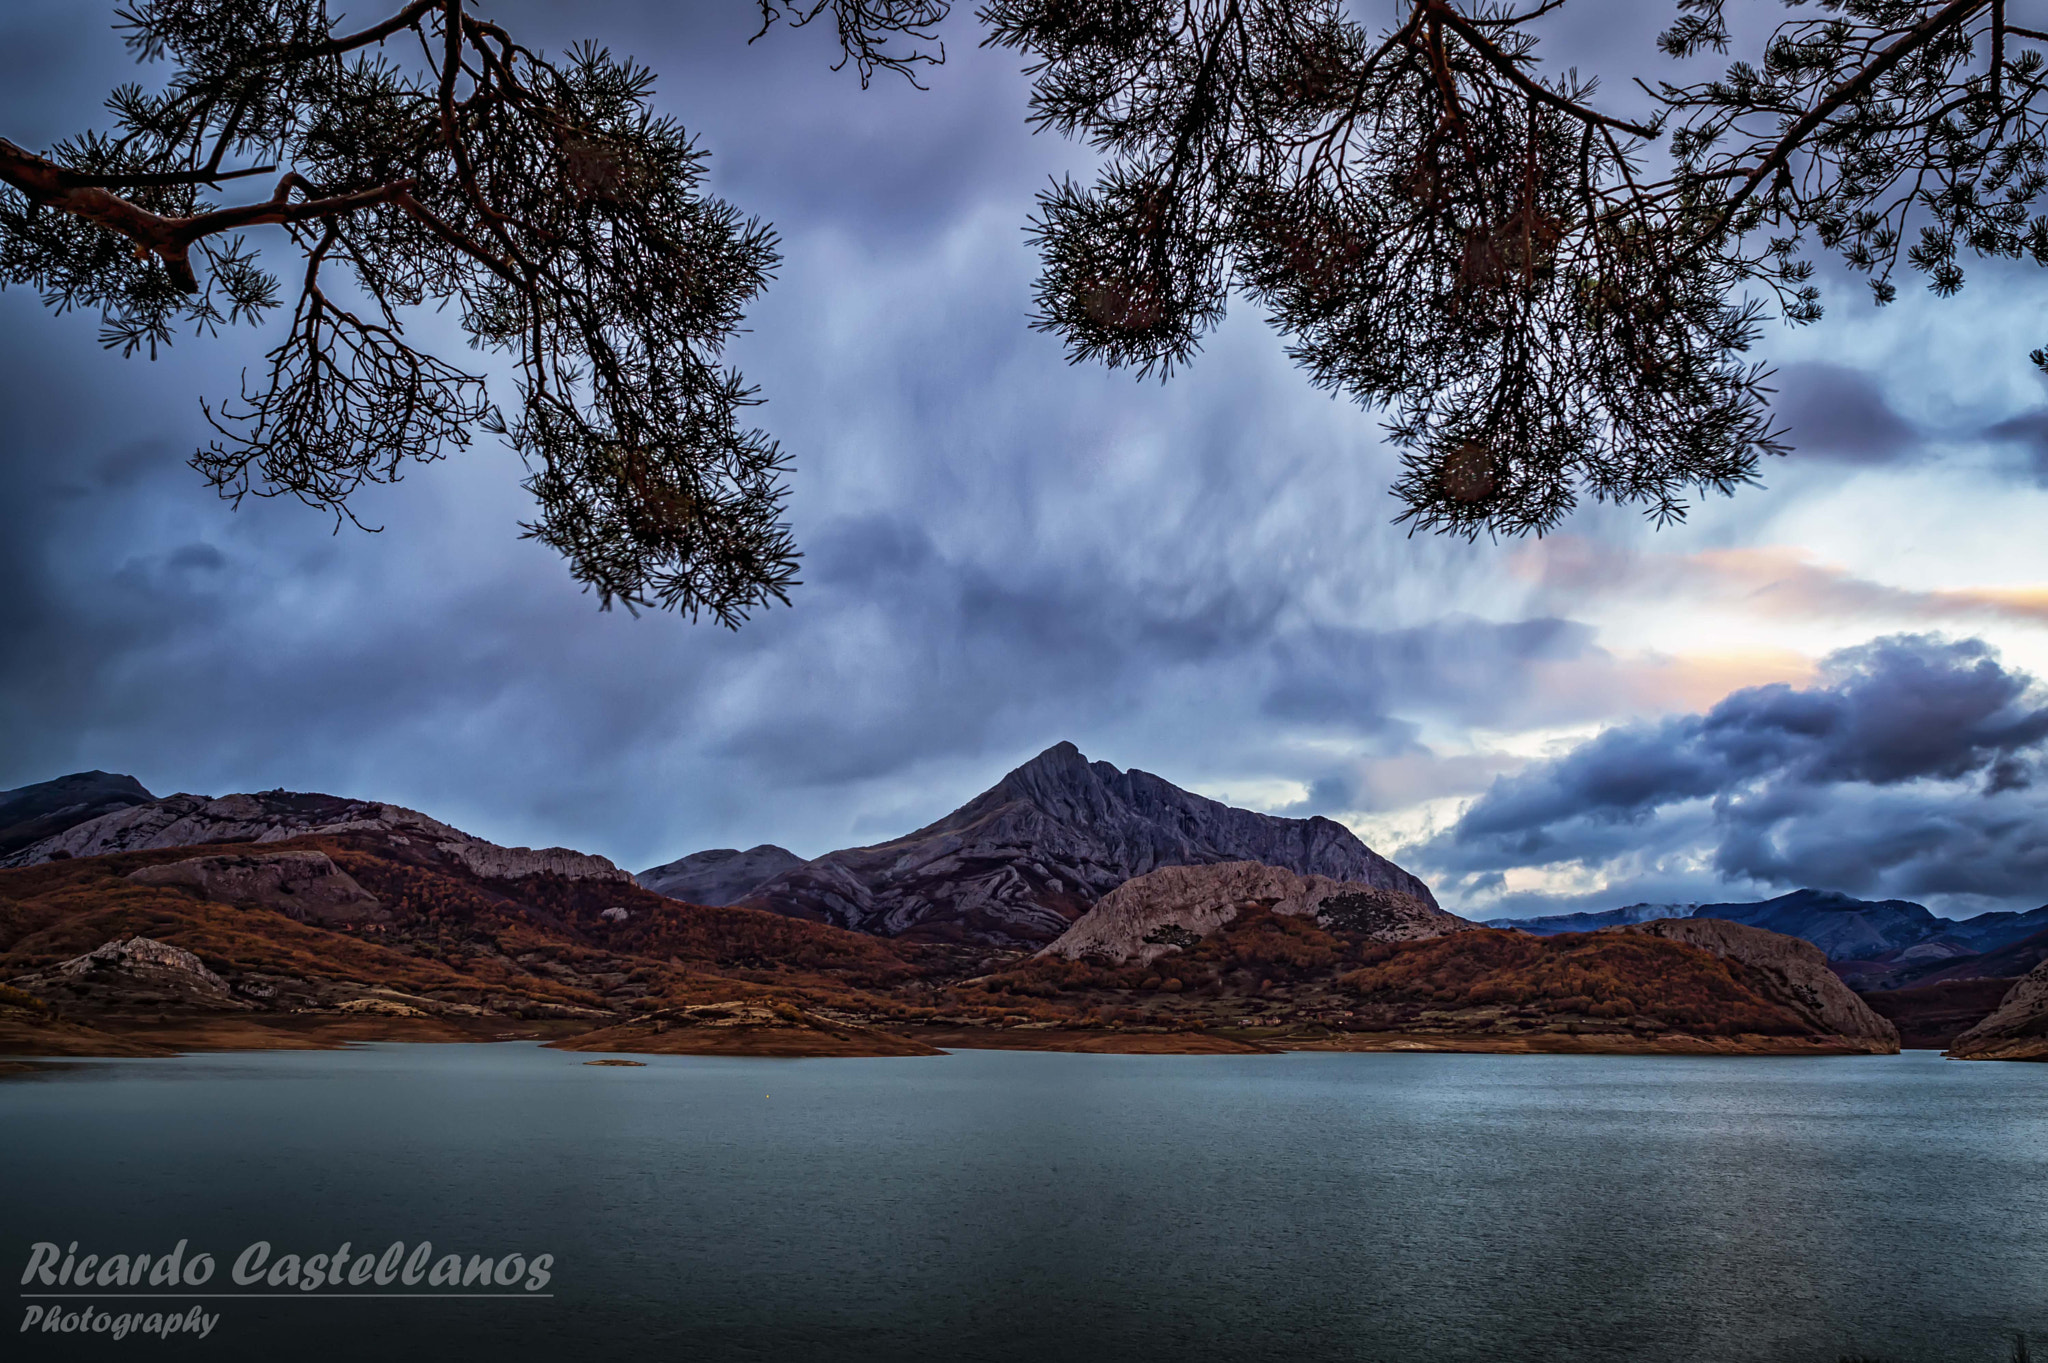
<point>1018,863</point>
<point>719,876</point>
<point>29,814</point>
<point>1875,943</point>
<point>273,816</point>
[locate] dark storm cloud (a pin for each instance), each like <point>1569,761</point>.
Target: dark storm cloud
<point>2028,434</point>
<point>1906,768</point>
<point>1832,412</point>
<point>1334,674</point>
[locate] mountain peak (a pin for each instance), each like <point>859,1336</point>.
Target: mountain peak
<point>1062,763</point>
<point>720,875</point>
<point>28,814</point>
<point>1020,861</point>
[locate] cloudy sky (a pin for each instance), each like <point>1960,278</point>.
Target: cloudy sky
<point>1829,681</point>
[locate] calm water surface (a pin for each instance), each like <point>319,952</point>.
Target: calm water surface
<point>1003,1206</point>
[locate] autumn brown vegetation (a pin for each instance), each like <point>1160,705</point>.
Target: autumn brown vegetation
<point>1607,976</point>
<point>1279,969</point>
<point>453,947</point>
<point>538,945</point>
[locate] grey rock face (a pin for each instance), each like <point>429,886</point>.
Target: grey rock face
<point>1797,969</point>
<point>273,816</point>
<point>1150,915</point>
<point>307,886</point>
<point>138,973</point>
<point>516,863</point>
<point>1021,861</point>
<point>30,814</point>
<point>721,876</point>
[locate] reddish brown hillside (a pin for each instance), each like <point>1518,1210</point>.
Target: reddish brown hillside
<point>450,941</point>
<point>1265,970</point>
<point>1610,977</point>
<point>443,952</point>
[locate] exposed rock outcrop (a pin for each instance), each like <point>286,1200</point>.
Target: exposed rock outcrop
<point>2017,1029</point>
<point>307,886</point>
<point>138,973</point>
<point>1020,862</point>
<point>1797,969</point>
<point>1175,906</point>
<point>273,816</point>
<point>721,876</point>
<point>516,863</point>
<point>30,814</point>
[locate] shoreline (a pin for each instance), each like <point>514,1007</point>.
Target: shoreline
<point>159,1037</point>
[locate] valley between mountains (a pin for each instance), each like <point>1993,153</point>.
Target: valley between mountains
<point>1071,906</point>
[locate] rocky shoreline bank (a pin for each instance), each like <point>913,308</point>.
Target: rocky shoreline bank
<point>750,1035</point>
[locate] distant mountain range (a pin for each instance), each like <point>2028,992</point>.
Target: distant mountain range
<point>1022,860</point>
<point>76,830</point>
<point>1552,924</point>
<point>1011,868</point>
<point>1007,873</point>
<point>1874,944</point>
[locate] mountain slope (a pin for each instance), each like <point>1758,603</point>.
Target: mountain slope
<point>721,876</point>
<point>1334,982</point>
<point>30,814</point>
<point>2017,1029</point>
<point>1797,969</point>
<point>273,815</point>
<point>410,931</point>
<point>1019,862</point>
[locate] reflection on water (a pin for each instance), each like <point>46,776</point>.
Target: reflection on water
<point>1064,1207</point>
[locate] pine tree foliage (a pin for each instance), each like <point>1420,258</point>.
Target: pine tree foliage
<point>429,159</point>
<point>1550,301</point>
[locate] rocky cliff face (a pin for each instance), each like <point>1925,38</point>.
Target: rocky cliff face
<point>721,876</point>
<point>1170,908</point>
<point>2017,1029</point>
<point>1021,861</point>
<point>273,816</point>
<point>1798,972</point>
<point>307,886</point>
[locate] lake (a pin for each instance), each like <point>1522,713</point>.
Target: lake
<point>1018,1206</point>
